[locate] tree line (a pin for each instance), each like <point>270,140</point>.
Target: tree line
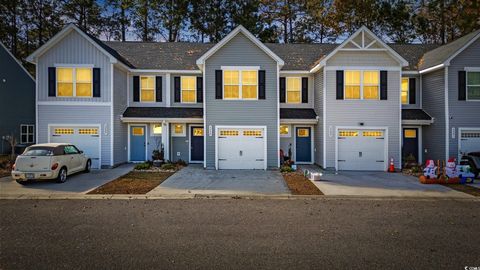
<point>25,25</point>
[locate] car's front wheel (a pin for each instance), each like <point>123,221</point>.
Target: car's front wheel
<point>62,175</point>
<point>88,166</point>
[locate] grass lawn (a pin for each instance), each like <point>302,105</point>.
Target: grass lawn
<point>133,183</point>
<point>300,185</point>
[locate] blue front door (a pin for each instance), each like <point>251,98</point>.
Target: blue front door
<point>137,143</point>
<point>303,144</point>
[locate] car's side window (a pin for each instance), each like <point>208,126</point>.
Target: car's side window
<point>70,150</point>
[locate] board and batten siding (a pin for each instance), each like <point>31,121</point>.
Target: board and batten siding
<point>77,115</point>
<point>362,58</point>
<point>71,50</point>
<point>373,113</point>
<point>308,105</point>
<point>319,110</point>
<point>433,102</point>
<point>240,51</point>
<point>120,130</point>
<point>462,113</point>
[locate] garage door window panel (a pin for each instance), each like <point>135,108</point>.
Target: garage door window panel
<point>88,131</point>
<point>147,89</point>
<point>473,85</point>
<point>294,86</point>
<point>189,89</point>
<point>63,131</point>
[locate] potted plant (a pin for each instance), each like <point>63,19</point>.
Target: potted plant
<point>158,153</point>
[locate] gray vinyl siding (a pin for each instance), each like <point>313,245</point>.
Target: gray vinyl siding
<point>462,113</point>
<point>17,98</point>
<point>146,104</point>
<point>77,115</point>
<point>71,50</point>
<point>120,130</point>
<point>310,92</point>
<point>319,110</point>
<point>418,102</point>
<point>434,104</point>
<point>373,113</point>
<point>172,93</point>
<point>362,58</point>
<point>179,145</point>
<point>240,51</point>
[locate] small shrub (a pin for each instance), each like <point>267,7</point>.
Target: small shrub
<point>168,167</point>
<point>288,163</point>
<point>143,166</point>
<point>181,162</point>
<point>285,168</point>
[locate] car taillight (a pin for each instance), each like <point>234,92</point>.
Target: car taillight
<point>54,166</point>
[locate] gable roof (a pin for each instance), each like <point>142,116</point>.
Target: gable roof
<point>445,53</point>
<point>16,60</point>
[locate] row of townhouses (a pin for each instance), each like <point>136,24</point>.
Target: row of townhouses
<point>238,103</point>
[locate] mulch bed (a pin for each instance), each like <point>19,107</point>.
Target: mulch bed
<point>465,189</point>
<point>300,185</point>
<point>133,183</point>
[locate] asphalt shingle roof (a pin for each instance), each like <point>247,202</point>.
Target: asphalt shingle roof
<point>415,114</point>
<point>297,113</point>
<point>412,53</point>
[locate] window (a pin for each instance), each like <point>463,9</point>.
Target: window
<point>352,84</point>
<point>240,84</point>
<point>293,89</point>
<point>189,89</point>
<point>371,84</point>
<point>156,129</point>
<point>147,89</point>
<point>137,131</point>
<point>178,130</point>
<point>198,132</point>
<point>63,131</point>
<point>410,133</point>
<point>74,82</point>
<point>372,134</point>
<point>26,133</point>
<point>405,90</point>
<point>88,131</point>
<point>362,84</point>
<point>473,85</point>
<point>284,130</point>
<point>252,133</point>
<point>348,133</point>
<point>303,132</point>
<point>228,132</point>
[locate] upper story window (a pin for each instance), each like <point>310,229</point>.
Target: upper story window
<point>362,84</point>
<point>26,133</point>
<point>294,86</point>
<point>473,85</point>
<point>74,82</point>
<point>188,89</point>
<point>405,90</point>
<point>147,89</point>
<point>240,84</point>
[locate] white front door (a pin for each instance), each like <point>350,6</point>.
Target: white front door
<point>469,141</point>
<point>85,138</point>
<point>241,148</point>
<point>361,150</point>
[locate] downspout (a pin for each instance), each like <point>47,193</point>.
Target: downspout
<point>447,116</point>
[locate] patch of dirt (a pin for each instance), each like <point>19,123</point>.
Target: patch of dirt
<point>4,173</point>
<point>133,183</point>
<point>300,185</point>
<point>465,189</point>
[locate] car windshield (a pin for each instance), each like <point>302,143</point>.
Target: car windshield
<point>38,152</point>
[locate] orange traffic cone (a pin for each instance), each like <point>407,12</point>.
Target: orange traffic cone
<point>392,167</point>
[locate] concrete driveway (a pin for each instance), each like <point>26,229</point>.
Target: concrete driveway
<point>76,184</point>
<point>194,179</point>
<point>381,184</point>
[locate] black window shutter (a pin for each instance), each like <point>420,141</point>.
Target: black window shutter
<point>176,89</point>
<point>383,85</point>
<point>52,82</point>
<point>462,85</point>
<point>218,84</point>
<point>339,84</point>
<point>199,89</point>
<point>96,82</point>
<point>304,89</point>
<point>261,84</point>
<point>136,88</point>
<point>158,88</point>
<point>412,91</point>
<point>282,90</point>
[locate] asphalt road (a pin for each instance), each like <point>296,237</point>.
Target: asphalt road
<point>239,234</point>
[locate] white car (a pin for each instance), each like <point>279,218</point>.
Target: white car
<point>50,161</point>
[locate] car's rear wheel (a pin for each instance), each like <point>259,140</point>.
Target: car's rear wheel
<point>62,175</point>
<point>88,166</point>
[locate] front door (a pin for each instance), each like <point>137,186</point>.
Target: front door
<point>303,145</point>
<point>410,144</point>
<point>196,144</point>
<point>137,143</point>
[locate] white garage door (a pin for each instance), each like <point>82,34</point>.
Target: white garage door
<point>241,148</point>
<point>469,141</point>
<point>85,138</point>
<point>362,150</point>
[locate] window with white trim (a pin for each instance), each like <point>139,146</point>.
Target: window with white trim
<point>240,84</point>
<point>27,133</point>
<point>178,130</point>
<point>188,89</point>
<point>294,88</point>
<point>285,131</point>
<point>473,85</point>
<point>156,129</point>
<point>405,90</point>
<point>362,84</point>
<point>147,89</point>
<point>74,82</point>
